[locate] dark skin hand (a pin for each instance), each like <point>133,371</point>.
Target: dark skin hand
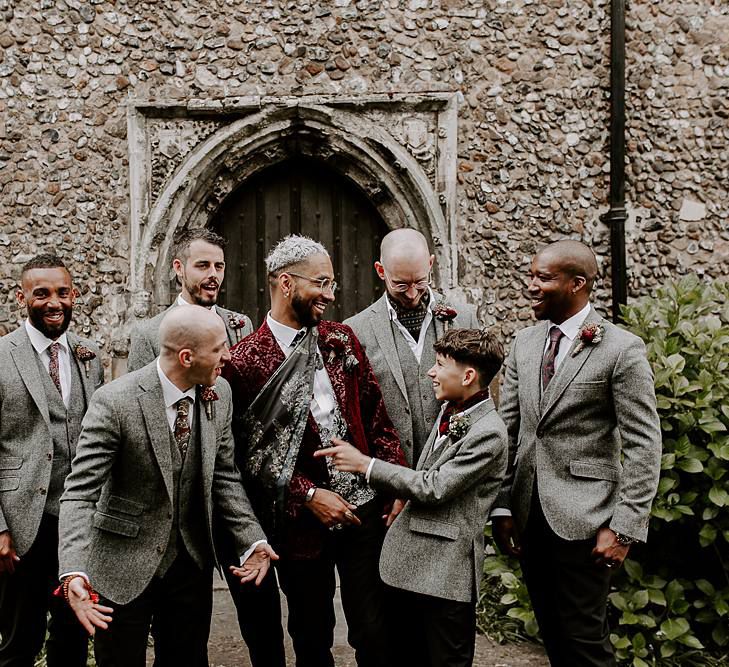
<point>608,552</point>
<point>504,532</point>
<point>8,557</point>
<point>331,509</point>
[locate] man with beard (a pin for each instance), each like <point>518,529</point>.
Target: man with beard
<point>398,332</point>
<point>48,377</point>
<point>298,382</point>
<point>199,263</point>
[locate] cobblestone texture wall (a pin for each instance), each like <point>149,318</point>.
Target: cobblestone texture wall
<point>533,139</point>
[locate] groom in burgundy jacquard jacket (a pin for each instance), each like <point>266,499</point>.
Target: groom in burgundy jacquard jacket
<point>298,382</point>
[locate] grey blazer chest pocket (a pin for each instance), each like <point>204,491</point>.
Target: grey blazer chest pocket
<point>115,524</point>
<point>449,531</point>
<point>594,470</point>
<point>10,462</point>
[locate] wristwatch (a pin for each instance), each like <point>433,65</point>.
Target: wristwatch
<point>310,493</point>
<point>624,540</point>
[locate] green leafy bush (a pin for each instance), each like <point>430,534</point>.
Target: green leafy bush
<point>670,603</point>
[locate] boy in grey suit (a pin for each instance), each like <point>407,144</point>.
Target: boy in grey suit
<point>48,377</point>
<point>433,552</point>
<point>199,263</point>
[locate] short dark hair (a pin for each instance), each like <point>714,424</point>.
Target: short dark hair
<point>479,348</point>
<point>182,241</point>
<point>46,260</point>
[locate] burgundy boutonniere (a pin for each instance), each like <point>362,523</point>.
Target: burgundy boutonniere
<point>237,323</point>
<point>339,344</point>
<point>209,396</point>
<point>589,334</point>
<point>85,355</point>
<point>445,312</point>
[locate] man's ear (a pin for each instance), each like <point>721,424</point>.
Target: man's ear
<point>469,376</point>
<point>285,283</point>
<point>20,298</point>
<point>578,283</point>
<point>380,270</point>
<point>184,356</point>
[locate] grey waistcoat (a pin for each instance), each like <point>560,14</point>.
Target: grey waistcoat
<point>189,531</point>
<point>65,429</point>
<point>423,406</point>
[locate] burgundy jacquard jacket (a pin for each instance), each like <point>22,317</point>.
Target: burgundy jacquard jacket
<point>252,363</point>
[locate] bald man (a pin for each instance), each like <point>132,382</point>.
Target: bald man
<point>154,459</point>
<point>584,455</point>
<point>398,332</point>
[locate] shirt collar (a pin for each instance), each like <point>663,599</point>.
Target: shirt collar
<point>393,313</point>
<point>170,392</point>
<point>181,301</point>
<point>41,342</point>
<point>571,326</point>
<point>283,334</point>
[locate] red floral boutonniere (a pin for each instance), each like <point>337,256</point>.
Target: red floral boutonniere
<point>85,355</point>
<point>208,395</point>
<point>237,323</point>
<point>339,344</point>
<point>444,312</point>
<point>589,334</point>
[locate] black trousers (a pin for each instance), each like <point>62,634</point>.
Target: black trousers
<point>177,607</point>
<point>310,585</point>
<point>25,600</point>
<point>430,632</point>
<point>569,594</point>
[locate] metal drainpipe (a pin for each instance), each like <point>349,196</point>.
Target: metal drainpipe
<point>617,214</point>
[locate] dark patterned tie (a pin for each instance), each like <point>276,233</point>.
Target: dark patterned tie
<point>555,335</point>
<point>182,425</point>
<point>53,367</point>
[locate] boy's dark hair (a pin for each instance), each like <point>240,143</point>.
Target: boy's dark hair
<point>45,260</point>
<point>479,348</point>
<point>183,240</point>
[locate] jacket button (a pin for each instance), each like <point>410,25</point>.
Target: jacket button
<point>159,550</point>
<point>407,410</point>
<point>50,456</point>
<point>42,491</point>
<point>169,515</point>
<point>540,433</point>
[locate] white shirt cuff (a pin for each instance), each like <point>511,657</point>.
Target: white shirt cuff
<point>500,511</point>
<point>369,470</point>
<point>251,549</point>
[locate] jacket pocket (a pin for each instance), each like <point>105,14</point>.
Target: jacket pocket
<point>124,505</point>
<point>10,462</point>
<point>114,524</point>
<point>9,483</point>
<point>438,528</point>
<point>594,470</point>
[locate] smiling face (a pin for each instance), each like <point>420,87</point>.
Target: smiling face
<point>48,295</point>
<point>450,378</point>
<point>201,272</point>
<point>406,277</point>
<point>308,301</point>
<point>555,292</point>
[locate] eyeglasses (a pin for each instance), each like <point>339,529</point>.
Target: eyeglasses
<point>324,284</point>
<point>402,287</point>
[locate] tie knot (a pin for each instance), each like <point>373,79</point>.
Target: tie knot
<point>183,406</point>
<point>55,347</point>
<point>555,333</point>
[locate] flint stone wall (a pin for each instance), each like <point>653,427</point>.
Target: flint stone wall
<point>532,165</point>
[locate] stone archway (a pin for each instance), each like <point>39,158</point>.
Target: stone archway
<point>401,153</point>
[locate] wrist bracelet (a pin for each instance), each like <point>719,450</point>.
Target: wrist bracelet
<point>310,493</point>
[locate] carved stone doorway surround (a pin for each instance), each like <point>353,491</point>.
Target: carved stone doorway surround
<point>184,159</point>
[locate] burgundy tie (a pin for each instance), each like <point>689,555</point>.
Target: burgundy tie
<point>182,425</point>
<point>53,368</point>
<point>555,335</point>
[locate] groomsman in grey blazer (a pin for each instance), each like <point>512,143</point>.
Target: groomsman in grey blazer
<point>47,379</point>
<point>398,332</point>
<point>154,460</point>
<point>584,450</point>
<point>199,263</point>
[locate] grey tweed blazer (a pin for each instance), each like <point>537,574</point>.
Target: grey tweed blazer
<point>116,510</point>
<point>26,448</point>
<point>592,439</point>
<point>435,546</point>
<point>144,344</point>
<point>373,329</point>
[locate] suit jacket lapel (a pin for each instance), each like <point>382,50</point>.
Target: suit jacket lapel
<point>382,327</point>
<point>208,444</point>
<point>86,379</point>
<point>223,313</point>
<point>151,401</point>
<point>534,355</point>
<point>568,369</point>
<point>24,356</point>
<point>428,447</point>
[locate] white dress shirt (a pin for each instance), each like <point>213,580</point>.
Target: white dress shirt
<point>41,343</point>
<point>323,400</point>
<point>182,301</point>
<point>416,346</point>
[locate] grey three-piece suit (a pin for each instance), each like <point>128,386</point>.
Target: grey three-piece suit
<point>405,386</point>
<point>38,435</point>
<point>584,454</point>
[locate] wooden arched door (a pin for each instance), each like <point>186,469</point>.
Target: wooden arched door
<point>299,196</point>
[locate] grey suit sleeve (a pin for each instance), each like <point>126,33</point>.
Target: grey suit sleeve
<point>510,413</point>
<point>96,451</point>
<point>634,399</point>
<point>141,351</point>
<point>229,497</point>
<point>481,455</point>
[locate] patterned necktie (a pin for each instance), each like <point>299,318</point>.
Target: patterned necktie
<point>53,367</point>
<point>555,335</point>
<point>182,425</point>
